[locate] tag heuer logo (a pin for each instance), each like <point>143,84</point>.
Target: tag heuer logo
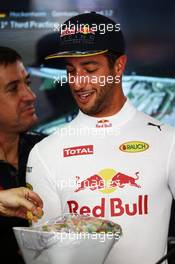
<point>134,146</point>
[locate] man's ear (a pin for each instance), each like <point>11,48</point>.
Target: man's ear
<point>119,65</point>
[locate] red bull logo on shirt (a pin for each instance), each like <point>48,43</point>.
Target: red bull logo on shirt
<point>107,181</point>
<point>116,206</point>
<point>103,123</point>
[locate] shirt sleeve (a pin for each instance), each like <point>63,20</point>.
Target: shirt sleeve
<point>171,168</point>
<point>42,181</point>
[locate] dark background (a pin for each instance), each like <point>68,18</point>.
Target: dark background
<point>148,26</point>
<point>149,30</point>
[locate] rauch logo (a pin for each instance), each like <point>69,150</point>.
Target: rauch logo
<point>133,146</point>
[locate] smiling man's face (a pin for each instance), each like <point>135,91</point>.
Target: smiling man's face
<point>86,77</point>
<point>17,111</point>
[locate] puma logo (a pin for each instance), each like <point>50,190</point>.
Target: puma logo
<point>158,126</point>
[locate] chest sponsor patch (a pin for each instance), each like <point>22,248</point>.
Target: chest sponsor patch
<point>103,123</point>
<point>78,151</point>
<point>133,146</point>
<point>113,207</point>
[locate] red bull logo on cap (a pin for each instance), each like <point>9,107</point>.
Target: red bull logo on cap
<point>107,181</point>
<point>75,29</point>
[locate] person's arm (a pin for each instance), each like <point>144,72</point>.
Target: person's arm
<point>40,177</point>
<point>19,202</point>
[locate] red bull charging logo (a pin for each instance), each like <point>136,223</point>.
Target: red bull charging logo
<point>107,181</point>
<point>103,123</point>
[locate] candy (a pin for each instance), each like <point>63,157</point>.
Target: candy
<point>82,224</point>
<point>34,215</point>
<point>29,215</point>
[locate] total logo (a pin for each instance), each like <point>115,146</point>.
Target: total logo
<point>78,151</point>
<point>107,181</point>
<point>103,123</point>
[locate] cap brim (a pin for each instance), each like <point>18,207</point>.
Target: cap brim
<point>66,54</point>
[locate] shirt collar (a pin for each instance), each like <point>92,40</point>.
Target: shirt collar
<point>119,119</point>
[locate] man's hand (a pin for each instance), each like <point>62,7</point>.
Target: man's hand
<point>20,202</point>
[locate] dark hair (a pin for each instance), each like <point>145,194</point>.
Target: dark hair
<point>112,56</point>
<point>8,56</point>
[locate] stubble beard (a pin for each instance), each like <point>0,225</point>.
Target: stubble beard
<point>102,101</point>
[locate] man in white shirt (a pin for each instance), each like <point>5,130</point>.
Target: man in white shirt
<point>111,161</point>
